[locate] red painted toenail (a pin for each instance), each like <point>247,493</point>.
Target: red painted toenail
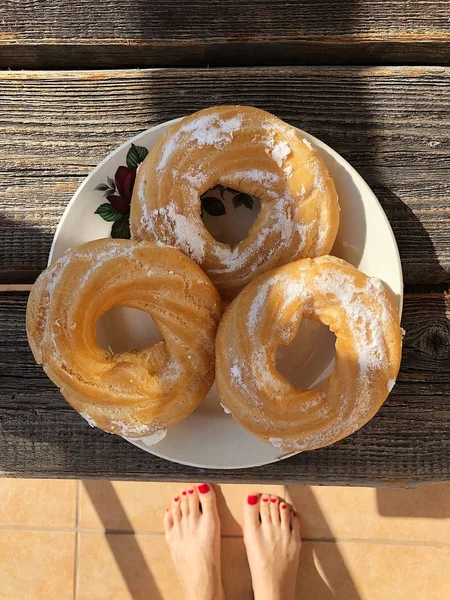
<point>252,500</point>
<point>273,500</point>
<point>176,499</point>
<point>283,506</point>
<point>203,488</point>
<point>184,492</point>
<point>265,499</point>
<point>191,491</point>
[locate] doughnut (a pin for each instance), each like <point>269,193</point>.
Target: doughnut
<point>251,151</point>
<point>267,313</point>
<point>133,394</point>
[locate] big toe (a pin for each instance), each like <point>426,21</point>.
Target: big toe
<point>251,511</point>
<point>207,498</point>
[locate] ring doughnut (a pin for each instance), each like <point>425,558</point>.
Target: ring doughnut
<point>249,150</point>
<point>134,394</point>
<point>267,313</point>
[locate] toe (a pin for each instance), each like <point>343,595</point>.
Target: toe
<point>285,517</point>
<point>251,511</point>
<point>207,498</point>
<point>176,511</point>
<point>184,504</point>
<point>194,505</point>
<point>168,520</point>
<point>264,509</point>
<point>295,526</point>
<point>274,510</point>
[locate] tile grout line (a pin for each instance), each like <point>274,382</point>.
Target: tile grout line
<point>86,530</point>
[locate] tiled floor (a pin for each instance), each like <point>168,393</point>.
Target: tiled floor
<point>100,540</point>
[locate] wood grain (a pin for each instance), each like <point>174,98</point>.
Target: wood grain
<point>138,33</point>
<point>392,124</point>
<point>407,443</point>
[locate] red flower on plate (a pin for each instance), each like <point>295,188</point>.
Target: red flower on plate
<point>118,192</point>
<point>124,180</point>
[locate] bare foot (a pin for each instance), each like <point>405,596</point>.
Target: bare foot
<point>193,533</point>
<point>272,540</point>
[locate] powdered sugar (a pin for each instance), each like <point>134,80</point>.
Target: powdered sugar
<point>365,324</point>
<point>257,175</point>
<point>259,301</point>
<point>98,260</point>
<point>196,179</point>
<point>377,284</point>
<point>89,419</point>
<point>280,152</point>
<point>307,143</point>
<point>206,130</point>
<point>390,385</point>
<point>288,171</point>
<point>276,442</point>
<point>225,409</point>
<point>294,290</point>
<point>319,182</point>
<point>149,440</point>
<point>185,233</point>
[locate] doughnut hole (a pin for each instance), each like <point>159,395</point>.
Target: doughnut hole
<point>123,329</point>
<point>228,214</point>
<point>308,360</point>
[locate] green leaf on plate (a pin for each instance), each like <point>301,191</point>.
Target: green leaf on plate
<point>111,183</point>
<point>243,199</point>
<point>136,155</point>
<point>107,212</point>
<point>102,187</point>
<point>247,201</point>
<point>121,228</point>
<point>213,206</point>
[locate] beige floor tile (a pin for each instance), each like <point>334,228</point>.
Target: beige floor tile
<point>236,574</point>
<point>373,571</point>
<point>139,567</point>
<point>125,505</point>
<point>36,565</point>
<point>37,502</point>
<point>139,506</point>
<point>416,515</point>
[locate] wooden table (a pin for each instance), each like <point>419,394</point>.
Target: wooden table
<point>124,65</point>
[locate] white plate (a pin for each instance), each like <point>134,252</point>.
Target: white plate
<point>209,438</point>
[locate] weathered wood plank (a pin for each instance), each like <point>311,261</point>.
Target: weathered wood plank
<point>121,33</point>
<point>391,123</point>
<point>406,443</point>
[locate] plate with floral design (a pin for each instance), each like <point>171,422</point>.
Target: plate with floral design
<point>209,438</point>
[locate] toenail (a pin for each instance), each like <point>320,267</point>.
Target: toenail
<point>176,499</point>
<point>265,499</point>
<point>184,492</point>
<point>203,488</point>
<point>273,500</point>
<point>252,499</point>
<point>283,506</point>
<point>191,491</point>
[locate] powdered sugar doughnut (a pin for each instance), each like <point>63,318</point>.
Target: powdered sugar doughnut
<point>267,313</point>
<point>246,149</point>
<point>136,394</point>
